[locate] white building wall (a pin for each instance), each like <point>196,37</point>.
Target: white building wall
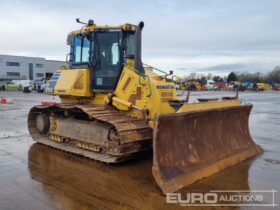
<point>24,70</point>
<point>52,66</point>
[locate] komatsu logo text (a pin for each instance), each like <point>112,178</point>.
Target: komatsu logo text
<point>165,86</point>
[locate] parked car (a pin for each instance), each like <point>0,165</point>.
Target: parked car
<point>12,86</point>
<point>17,85</point>
<point>40,85</point>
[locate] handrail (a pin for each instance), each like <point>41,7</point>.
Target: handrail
<point>155,68</point>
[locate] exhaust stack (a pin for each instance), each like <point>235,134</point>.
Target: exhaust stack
<point>138,65</point>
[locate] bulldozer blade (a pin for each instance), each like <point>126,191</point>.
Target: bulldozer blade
<point>192,145</point>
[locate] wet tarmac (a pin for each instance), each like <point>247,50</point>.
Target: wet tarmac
<point>34,176</point>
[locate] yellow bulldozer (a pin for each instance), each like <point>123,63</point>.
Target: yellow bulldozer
<point>113,110</point>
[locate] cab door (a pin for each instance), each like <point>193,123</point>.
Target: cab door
<point>109,60</point>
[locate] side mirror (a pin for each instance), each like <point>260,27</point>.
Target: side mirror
<point>69,58</point>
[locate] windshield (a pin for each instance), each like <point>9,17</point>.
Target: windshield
<point>81,48</point>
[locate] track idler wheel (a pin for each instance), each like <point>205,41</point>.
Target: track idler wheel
<point>42,123</point>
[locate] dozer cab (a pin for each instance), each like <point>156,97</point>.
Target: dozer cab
<point>113,109</point>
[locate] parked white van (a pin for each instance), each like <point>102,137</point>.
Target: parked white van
<point>210,85</point>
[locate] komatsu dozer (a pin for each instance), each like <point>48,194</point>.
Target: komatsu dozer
<point>114,108</point>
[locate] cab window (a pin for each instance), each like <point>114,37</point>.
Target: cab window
<point>81,49</point>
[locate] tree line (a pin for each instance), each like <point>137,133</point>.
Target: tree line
<point>269,77</point>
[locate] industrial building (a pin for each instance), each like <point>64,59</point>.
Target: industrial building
<point>26,68</point>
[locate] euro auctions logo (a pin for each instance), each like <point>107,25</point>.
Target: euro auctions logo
<point>192,198</point>
<point>264,198</point>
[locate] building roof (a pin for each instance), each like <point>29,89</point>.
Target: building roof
<point>23,56</point>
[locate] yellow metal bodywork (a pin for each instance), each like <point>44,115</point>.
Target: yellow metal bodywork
<point>74,82</point>
<point>267,87</point>
<point>199,140</point>
<point>196,84</point>
<point>232,84</point>
<point>260,85</point>
<point>146,92</point>
<point>135,93</point>
<point>93,27</point>
<point>138,94</point>
<point>208,105</point>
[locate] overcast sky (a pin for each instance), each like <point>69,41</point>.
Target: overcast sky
<point>186,36</point>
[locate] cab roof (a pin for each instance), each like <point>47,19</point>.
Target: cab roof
<point>126,27</point>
